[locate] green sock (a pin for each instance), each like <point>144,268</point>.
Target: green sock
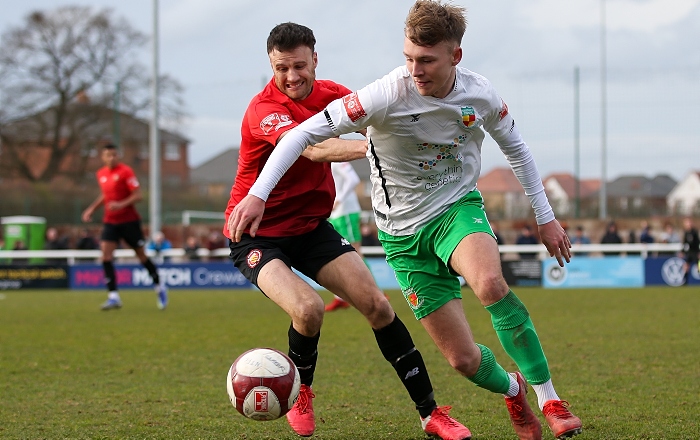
<point>519,339</point>
<point>490,376</point>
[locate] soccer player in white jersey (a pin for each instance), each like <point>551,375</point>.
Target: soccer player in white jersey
<point>425,126</point>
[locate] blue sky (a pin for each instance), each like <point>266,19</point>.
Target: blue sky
<point>216,49</point>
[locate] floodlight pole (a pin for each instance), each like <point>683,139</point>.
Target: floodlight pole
<point>603,211</point>
<point>155,161</point>
<point>577,142</point>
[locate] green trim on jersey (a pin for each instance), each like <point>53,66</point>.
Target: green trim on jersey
<point>421,260</point>
<point>348,226</point>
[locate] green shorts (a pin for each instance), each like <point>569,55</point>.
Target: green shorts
<point>420,261</point>
<point>348,226</point>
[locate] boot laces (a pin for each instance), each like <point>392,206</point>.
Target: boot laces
<point>557,409</point>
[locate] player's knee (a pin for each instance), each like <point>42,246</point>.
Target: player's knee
<point>465,362</point>
<point>308,311</point>
<point>376,309</point>
<point>490,284</point>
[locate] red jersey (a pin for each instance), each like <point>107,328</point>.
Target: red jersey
<point>305,194</point>
<point>117,184</point>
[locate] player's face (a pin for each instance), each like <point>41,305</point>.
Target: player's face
<point>432,68</point>
<point>109,157</point>
<point>294,71</point>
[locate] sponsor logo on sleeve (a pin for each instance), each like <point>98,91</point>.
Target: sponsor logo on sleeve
<point>504,110</point>
<point>353,107</point>
<point>273,122</point>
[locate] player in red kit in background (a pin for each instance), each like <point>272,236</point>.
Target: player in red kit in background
<point>296,233</point>
<point>120,191</point>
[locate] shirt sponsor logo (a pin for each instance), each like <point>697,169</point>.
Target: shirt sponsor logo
<point>254,258</point>
<point>274,122</point>
<point>353,107</point>
<point>468,116</point>
<point>504,110</point>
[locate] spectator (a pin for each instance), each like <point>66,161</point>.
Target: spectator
<point>611,236</point>
<point>580,237</point>
<point>86,241</point>
<point>159,244</point>
<point>191,248</point>
<point>369,235</point>
<point>499,239</point>
<point>527,237</point>
<point>645,236</point>
<point>53,241</point>
<point>691,248</point>
<point>669,235</point>
<point>19,246</point>
<point>216,241</point>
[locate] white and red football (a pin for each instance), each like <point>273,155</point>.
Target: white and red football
<point>263,384</point>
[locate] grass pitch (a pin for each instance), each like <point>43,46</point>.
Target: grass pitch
<point>627,360</point>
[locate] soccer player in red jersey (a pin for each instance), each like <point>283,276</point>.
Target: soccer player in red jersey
<point>120,191</point>
<point>295,233</point>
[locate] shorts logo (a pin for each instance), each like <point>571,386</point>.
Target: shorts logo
<point>274,121</point>
<point>254,258</point>
<point>344,242</point>
<point>412,298</point>
<point>353,107</point>
<point>468,116</point>
<point>261,401</point>
<point>504,110</point>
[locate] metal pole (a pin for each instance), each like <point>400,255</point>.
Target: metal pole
<point>577,142</point>
<point>154,163</point>
<point>603,212</point>
<point>116,129</point>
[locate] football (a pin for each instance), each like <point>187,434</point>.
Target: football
<point>263,384</point>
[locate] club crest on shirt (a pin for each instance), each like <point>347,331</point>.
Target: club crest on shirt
<point>412,298</point>
<point>468,116</point>
<point>274,122</point>
<point>353,107</point>
<point>254,258</point>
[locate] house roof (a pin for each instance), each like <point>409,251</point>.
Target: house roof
<point>587,187</point>
<point>641,186</point>
<point>499,180</point>
<point>221,168</point>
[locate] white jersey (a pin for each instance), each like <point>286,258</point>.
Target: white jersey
<point>346,180</point>
<point>424,152</point>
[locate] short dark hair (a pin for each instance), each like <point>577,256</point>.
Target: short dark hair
<point>288,36</point>
<point>109,147</point>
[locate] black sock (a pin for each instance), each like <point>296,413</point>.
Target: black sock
<point>148,264</point>
<point>303,350</point>
<point>110,276</point>
<point>396,345</point>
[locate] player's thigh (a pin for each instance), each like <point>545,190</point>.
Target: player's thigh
<point>348,277</point>
<point>294,295</point>
<point>107,247</point>
<point>132,234</point>
<point>478,260</point>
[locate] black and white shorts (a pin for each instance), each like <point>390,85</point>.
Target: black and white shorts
<point>307,253</point>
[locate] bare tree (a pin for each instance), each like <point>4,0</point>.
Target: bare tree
<point>48,68</point>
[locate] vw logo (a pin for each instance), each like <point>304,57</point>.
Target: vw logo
<point>672,271</point>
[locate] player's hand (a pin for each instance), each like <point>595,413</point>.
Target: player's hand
<point>556,241</point>
<point>114,206</point>
<point>87,216</point>
<point>248,211</point>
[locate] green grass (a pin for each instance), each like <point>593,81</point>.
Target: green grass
<point>627,360</point>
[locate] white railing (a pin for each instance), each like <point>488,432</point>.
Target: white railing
<point>178,254</point>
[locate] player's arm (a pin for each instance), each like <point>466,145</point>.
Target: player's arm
<point>133,198</point>
<point>336,149</point>
<point>87,214</point>
<point>501,126</point>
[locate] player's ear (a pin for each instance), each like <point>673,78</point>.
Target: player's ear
<point>456,55</point>
<point>315,58</point>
